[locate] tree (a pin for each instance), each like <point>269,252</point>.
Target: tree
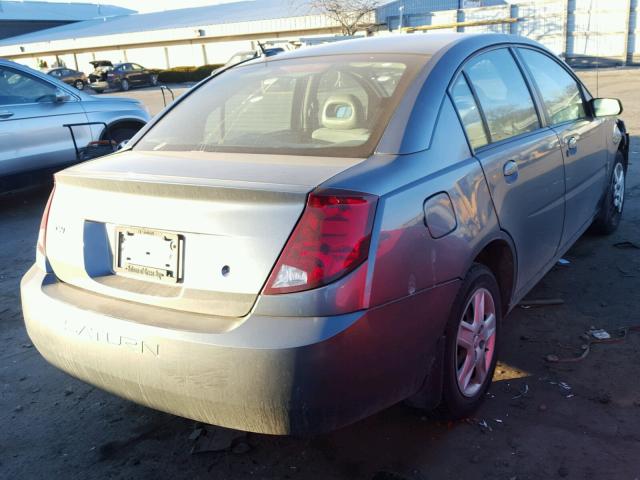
<point>350,14</point>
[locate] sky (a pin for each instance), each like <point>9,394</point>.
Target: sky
<point>145,6</point>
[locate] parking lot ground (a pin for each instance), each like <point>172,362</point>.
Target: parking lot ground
<point>152,97</point>
<point>541,420</point>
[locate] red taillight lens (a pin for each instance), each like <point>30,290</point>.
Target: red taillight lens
<point>42,233</point>
<point>331,239</point>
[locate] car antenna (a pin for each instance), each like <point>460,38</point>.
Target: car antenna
<point>597,50</point>
<point>261,49</point>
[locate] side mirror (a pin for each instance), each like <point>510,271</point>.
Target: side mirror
<point>62,96</point>
<point>606,107</point>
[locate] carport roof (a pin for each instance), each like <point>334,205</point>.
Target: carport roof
<point>49,11</point>
<point>240,11</point>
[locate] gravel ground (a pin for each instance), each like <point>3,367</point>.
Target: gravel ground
<point>540,420</point>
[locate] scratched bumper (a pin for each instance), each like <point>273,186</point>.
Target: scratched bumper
<point>321,373</point>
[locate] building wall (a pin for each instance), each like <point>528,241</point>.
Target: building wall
<point>579,30</point>
<point>633,43</point>
<point>585,32</point>
<point>191,46</point>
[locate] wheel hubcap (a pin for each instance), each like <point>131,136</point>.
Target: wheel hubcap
<point>476,342</point>
<point>618,187</point>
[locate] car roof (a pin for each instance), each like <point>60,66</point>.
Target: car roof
<point>418,43</point>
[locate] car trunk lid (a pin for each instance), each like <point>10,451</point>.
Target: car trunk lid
<point>228,216</point>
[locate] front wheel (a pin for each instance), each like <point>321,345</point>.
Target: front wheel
<point>124,85</point>
<point>79,84</point>
<point>119,135</point>
<point>154,80</point>
<point>612,206</point>
<point>471,344</point>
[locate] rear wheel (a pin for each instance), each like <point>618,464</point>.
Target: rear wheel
<point>124,85</point>
<point>471,344</point>
<point>154,80</point>
<point>612,206</point>
<point>79,84</point>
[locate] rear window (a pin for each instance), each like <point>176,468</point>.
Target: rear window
<point>326,106</point>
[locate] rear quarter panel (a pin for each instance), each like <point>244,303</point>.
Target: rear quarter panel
<point>405,257</point>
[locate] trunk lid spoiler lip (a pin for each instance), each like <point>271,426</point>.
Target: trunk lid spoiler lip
<point>94,180</point>
<point>275,173</point>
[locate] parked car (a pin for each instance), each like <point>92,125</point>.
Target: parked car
<point>240,57</point>
<point>300,242</point>
<point>34,107</point>
<point>123,76</point>
<point>70,77</point>
<point>99,74</point>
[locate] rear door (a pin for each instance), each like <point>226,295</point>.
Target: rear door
<point>583,139</point>
<point>521,159</point>
<point>32,135</point>
<point>133,74</point>
<point>141,74</point>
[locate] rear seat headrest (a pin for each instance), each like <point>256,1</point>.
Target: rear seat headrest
<point>342,112</point>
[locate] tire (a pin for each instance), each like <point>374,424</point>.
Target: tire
<point>120,134</point>
<point>461,398</point>
<point>79,84</point>
<point>124,85</point>
<point>154,80</point>
<point>612,206</point>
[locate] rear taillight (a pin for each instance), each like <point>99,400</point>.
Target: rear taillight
<point>42,233</point>
<point>330,240</point>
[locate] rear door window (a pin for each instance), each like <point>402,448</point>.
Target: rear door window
<point>560,92</point>
<point>469,113</point>
<point>503,94</point>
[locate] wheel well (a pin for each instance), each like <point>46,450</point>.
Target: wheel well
<point>623,146</point>
<point>126,124</point>
<point>498,257</point>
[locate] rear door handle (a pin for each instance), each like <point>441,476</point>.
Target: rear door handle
<point>572,143</point>
<point>5,114</point>
<point>510,168</point>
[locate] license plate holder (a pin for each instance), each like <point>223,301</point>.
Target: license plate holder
<point>149,254</point>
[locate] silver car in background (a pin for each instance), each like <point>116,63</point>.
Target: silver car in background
<point>304,240</point>
<point>34,107</point>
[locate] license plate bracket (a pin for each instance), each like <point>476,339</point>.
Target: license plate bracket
<point>149,254</point>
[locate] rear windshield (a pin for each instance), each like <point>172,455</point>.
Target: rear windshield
<point>326,106</point>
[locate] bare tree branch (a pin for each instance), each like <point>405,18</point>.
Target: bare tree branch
<point>349,14</point>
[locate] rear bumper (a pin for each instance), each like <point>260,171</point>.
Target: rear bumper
<point>270,375</point>
<point>99,85</point>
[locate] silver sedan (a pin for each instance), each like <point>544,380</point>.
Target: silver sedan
<point>34,109</point>
<point>303,240</point>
